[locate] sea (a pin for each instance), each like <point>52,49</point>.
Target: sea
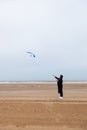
<point>41,82</point>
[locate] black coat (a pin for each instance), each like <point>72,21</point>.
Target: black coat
<point>59,84</point>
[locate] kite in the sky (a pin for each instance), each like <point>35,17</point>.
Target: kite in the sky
<point>31,54</point>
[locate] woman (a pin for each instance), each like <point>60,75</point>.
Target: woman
<point>60,85</point>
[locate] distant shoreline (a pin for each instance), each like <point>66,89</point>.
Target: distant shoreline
<point>41,82</point>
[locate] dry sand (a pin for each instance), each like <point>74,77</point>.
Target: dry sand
<point>37,107</point>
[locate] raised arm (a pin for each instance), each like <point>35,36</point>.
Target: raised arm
<point>56,77</point>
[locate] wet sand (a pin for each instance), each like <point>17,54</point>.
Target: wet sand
<point>37,107</point>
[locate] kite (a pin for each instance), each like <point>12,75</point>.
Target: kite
<point>31,54</point>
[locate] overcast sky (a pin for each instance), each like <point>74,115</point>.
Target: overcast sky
<point>55,30</point>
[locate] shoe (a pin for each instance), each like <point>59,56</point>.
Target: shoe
<point>60,97</point>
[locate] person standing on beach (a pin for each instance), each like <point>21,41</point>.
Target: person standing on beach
<point>60,85</point>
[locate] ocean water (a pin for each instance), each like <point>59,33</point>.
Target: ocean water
<point>27,82</point>
<point>41,82</point>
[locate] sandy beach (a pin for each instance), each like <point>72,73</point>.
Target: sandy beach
<point>36,106</point>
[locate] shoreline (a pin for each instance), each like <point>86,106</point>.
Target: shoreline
<point>42,82</point>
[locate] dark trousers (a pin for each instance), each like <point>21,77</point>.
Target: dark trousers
<point>60,91</point>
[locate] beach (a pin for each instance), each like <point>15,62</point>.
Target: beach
<point>36,106</point>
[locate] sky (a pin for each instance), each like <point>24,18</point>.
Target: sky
<point>54,30</point>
